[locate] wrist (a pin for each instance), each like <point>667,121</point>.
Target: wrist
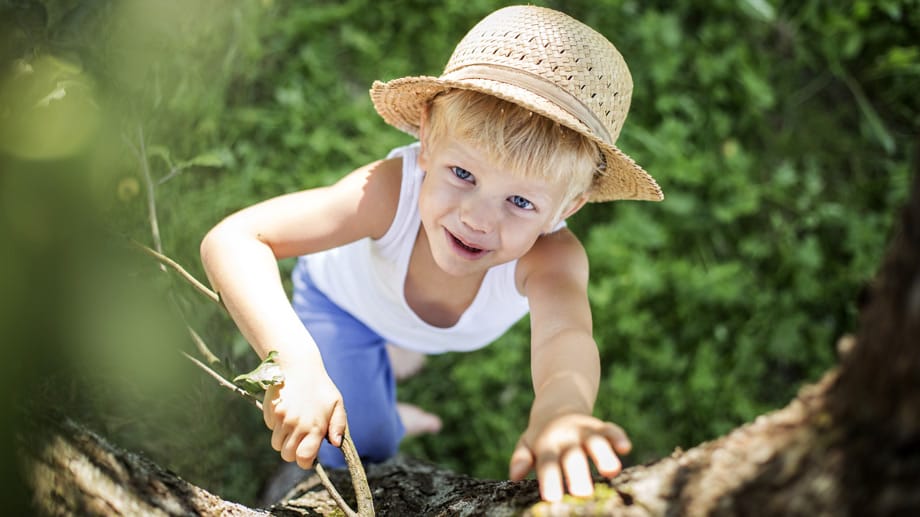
<point>563,393</point>
<point>300,361</point>
<point>545,409</point>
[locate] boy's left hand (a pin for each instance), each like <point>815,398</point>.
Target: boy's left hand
<point>562,446</point>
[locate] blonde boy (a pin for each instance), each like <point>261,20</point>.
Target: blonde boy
<point>444,245</point>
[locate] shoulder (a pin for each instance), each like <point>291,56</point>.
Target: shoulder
<point>555,260</point>
<point>378,184</point>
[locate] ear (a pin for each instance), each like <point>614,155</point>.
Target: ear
<point>423,121</point>
<point>422,133</point>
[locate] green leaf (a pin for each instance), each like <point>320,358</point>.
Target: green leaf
<point>268,373</point>
<point>760,9</point>
<point>215,158</point>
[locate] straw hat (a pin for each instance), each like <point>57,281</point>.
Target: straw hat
<point>549,63</point>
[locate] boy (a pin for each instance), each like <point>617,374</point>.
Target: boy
<point>443,246</point>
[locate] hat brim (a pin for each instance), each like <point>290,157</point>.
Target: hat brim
<point>401,101</point>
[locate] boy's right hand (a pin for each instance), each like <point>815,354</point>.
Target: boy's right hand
<point>301,415</point>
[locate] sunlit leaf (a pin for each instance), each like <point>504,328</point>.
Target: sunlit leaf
<point>268,373</point>
<point>760,9</point>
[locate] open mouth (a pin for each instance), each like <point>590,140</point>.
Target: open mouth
<point>462,245</point>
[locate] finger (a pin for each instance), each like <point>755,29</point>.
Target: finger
<point>521,462</point>
<point>289,448</point>
<point>337,424</point>
<point>268,408</point>
<point>307,450</point>
<point>550,477</point>
<point>618,438</point>
<point>602,454</point>
<point>280,434</point>
<point>279,409</point>
<point>577,473</point>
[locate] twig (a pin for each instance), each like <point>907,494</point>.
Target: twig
<point>224,382</point>
<point>202,347</point>
<point>358,477</point>
<point>151,193</point>
<point>185,274</point>
<point>324,479</point>
<point>173,172</point>
<point>875,122</point>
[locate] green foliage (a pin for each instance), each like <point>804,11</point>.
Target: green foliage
<point>268,373</point>
<point>779,131</point>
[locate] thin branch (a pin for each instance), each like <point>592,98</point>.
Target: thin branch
<point>224,382</point>
<point>324,479</point>
<point>173,172</point>
<point>358,477</point>
<point>151,193</point>
<point>202,347</point>
<point>876,124</point>
<point>348,449</point>
<point>203,289</point>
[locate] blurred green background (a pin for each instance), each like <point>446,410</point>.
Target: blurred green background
<point>781,133</point>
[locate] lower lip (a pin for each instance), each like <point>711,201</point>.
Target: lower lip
<point>462,249</point>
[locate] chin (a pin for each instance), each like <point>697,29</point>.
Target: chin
<point>459,270</point>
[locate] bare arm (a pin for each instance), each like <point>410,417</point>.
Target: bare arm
<point>564,360</point>
<point>561,433</point>
<point>240,257</point>
<point>240,253</point>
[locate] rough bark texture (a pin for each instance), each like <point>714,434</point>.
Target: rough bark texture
<point>72,471</point>
<point>849,445</point>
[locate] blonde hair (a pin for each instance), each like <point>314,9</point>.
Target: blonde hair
<point>517,139</point>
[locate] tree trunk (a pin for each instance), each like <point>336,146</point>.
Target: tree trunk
<point>849,445</point>
<point>72,471</point>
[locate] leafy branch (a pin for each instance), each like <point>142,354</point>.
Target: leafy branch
<point>267,373</point>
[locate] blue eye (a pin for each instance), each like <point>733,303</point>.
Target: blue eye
<point>461,173</point>
<point>520,202</point>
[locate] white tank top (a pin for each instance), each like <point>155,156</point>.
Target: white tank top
<point>367,278</point>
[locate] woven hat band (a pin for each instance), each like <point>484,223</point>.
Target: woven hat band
<point>538,86</point>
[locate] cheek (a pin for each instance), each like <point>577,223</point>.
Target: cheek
<point>430,202</point>
<point>423,204</point>
<point>436,196</point>
<point>522,238</point>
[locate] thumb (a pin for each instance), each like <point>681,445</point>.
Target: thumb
<point>268,406</point>
<point>337,423</point>
<point>521,462</point>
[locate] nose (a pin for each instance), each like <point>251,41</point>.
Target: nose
<point>478,214</point>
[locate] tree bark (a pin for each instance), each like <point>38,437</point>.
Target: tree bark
<point>73,471</point>
<point>848,445</point>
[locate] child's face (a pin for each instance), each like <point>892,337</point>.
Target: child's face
<point>476,215</point>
